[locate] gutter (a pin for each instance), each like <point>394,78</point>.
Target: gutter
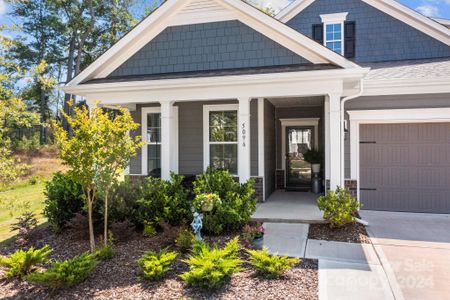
<point>342,144</point>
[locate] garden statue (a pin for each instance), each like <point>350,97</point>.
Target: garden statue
<point>197,225</point>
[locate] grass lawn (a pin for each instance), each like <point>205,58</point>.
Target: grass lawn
<point>13,204</point>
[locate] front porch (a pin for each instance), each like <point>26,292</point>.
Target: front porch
<point>289,207</point>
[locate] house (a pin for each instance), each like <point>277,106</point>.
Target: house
<point>218,82</point>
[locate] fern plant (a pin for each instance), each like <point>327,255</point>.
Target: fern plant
<point>155,265</point>
<point>22,263</point>
<point>270,266</point>
<point>210,268</point>
<point>66,273</point>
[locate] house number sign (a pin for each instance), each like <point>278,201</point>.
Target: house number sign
<point>243,131</point>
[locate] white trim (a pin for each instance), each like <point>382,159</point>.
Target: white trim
<point>244,140</point>
<point>335,141</point>
<point>334,18</point>
<point>194,88</point>
<point>206,143</point>
<point>391,7</point>
<point>261,145</point>
<point>387,116</point>
<point>312,122</point>
<point>326,113</point>
<point>156,22</point>
<point>174,138</point>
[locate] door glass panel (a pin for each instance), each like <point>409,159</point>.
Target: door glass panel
<point>298,171</point>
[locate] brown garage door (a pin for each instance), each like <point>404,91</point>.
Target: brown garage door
<point>405,167</point>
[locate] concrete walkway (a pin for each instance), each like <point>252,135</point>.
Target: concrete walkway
<point>414,250</point>
<point>346,270</point>
<point>289,207</point>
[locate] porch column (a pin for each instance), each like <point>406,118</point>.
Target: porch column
<point>244,139</point>
<point>334,140</point>
<point>167,139</point>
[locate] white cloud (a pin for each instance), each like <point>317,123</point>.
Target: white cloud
<point>2,7</point>
<point>428,10</point>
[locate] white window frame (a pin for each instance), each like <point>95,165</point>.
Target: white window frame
<point>144,155</point>
<point>206,142</point>
<point>331,19</point>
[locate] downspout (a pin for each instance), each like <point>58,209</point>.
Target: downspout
<point>342,144</point>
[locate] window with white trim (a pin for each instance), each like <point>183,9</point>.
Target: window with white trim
<point>333,31</point>
<point>221,135</point>
<point>154,144</point>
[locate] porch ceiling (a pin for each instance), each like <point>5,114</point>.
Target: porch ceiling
<point>297,101</point>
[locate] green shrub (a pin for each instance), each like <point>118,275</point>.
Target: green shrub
<point>22,263</point>
<point>163,200</point>
<point>105,253</point>
<point>63,199</point>
<point>237,201</point>
<point>338,207</point>
<point>123,199</point>
<point>184,240</point>
<point>270,266</point>
<point>149,229</point>
<point>155,265</point>
<point>24,225</point>
<point>210,268</point>
<point>66,273</point>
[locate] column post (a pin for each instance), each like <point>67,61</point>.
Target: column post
<point>244,139</point>
<point>167,134</point>
<point>334,141</point>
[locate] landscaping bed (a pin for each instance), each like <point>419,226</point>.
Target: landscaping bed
<point>118,278</point>
<point>350,233</point>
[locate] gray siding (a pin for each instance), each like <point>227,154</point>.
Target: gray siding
<point>379,37</point>
<point>269,147</point>
<point>392,102</point>
<point>208,46</point>
<point>295,112</point>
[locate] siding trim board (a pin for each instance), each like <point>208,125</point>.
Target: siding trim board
<point>387,116</point>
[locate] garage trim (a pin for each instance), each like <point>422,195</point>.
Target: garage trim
<point>386,116</point>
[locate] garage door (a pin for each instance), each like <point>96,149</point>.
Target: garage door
<point>405,167</point>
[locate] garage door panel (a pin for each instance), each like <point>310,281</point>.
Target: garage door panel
<point>405,167</point>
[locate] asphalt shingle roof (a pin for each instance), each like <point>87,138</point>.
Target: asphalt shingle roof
<point>409,69</point>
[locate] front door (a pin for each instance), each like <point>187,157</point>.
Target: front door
<point>299,139</point>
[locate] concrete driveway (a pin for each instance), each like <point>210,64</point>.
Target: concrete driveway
<point>414,250</point>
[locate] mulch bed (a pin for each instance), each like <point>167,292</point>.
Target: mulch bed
<point>118,278</point>
<point>350,233</point>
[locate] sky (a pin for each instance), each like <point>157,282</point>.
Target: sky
<point>430,8</point>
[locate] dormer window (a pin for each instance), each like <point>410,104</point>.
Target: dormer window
<point>336,33</point>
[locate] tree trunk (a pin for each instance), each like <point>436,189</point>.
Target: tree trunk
<point>43,132</point>
<point>105,227</point>
<point>67,97</point>
<point>91,224</point>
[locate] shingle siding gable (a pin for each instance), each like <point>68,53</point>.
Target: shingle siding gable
<point>205,47</point>
<point>379,36</point>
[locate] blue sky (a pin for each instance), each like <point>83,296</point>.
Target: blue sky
<point>431,8</point>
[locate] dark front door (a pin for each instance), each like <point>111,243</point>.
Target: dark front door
<point>298,171</point>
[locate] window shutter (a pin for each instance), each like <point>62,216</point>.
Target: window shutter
<point>317,33</point>
<point>349,39</point>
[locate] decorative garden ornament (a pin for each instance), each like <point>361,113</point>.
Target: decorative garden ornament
<point>197,225</point>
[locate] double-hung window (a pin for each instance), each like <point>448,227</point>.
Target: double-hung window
<point>151,133</point>
<point>221,137</point>
<point>333,31</point>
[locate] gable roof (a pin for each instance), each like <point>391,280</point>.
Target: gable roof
<point>391,7</point>
<point>182,12</point>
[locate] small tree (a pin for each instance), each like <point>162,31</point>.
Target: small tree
<point>118,147</point>
<point>98,151</point>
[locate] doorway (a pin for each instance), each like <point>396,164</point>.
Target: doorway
<point>299,139</point>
